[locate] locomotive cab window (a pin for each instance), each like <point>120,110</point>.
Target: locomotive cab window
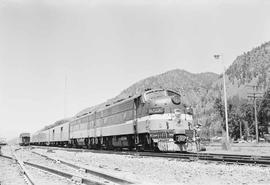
<point>172,94</point>
<point>154,94</point>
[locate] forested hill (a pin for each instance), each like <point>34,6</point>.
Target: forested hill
<point>250,65</point>
<point>191,86</point>
<point>250,68</point>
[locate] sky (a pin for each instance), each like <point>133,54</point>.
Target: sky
<point>58,57</point>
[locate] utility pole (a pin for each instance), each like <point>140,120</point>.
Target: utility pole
<point>218,58</point>
<point>256,121</point>
<point>255,95</point>
<point>240,124</point>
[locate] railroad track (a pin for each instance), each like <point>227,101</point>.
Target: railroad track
<point>224,158</point>
<point>74,172</point>
<point>87,170</point>
<point>25,173</point>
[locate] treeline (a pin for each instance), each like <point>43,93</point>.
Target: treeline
<point>241,117</point>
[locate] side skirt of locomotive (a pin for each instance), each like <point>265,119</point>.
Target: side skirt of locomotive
<point>141,142</point>
<point>153,141</point>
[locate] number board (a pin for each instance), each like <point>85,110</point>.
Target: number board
<point>157,134</point>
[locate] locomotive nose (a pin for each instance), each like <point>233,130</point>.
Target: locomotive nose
<point>160,102</point>
<point>159,105</point>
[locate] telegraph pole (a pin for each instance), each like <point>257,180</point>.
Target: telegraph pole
<point>255,95</point>
<point>240,125</point>
<point>256,121</point>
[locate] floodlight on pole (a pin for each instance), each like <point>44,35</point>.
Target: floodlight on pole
<point>218,58</point>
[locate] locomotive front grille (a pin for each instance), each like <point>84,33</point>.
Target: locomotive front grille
<point>180,138</point>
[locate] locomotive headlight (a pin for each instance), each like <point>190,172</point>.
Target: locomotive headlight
<point>176,99</point>
<point>189,110</point>
<point>156,110</point>
<point>177,113</point>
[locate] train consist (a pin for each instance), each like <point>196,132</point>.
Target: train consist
<point>155,120</point>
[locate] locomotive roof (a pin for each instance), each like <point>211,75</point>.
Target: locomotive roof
<point>113,102</point>
<point>103,106</point>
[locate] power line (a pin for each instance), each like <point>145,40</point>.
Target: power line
<point>255,87</point>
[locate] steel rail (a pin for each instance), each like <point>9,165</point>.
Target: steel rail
<point>7,157</point>
<point>75,178</point>
<point>217,157</point>
<point>230,158</point>
<point>64,174</point>
<point>238,146</point>
<point>138,153</point>
<point>87,170</point>
<point>28,178</point>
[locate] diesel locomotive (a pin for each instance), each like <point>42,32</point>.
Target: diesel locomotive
<point>155,120</point>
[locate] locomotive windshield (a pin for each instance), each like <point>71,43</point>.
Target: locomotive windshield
<point>172,94</point>
<point>154,94</point>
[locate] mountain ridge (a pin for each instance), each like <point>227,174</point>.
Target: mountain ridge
<point>188,84</point>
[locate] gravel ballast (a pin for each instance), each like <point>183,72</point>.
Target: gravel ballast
<point>147,170</point>
<point>10,173</point>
